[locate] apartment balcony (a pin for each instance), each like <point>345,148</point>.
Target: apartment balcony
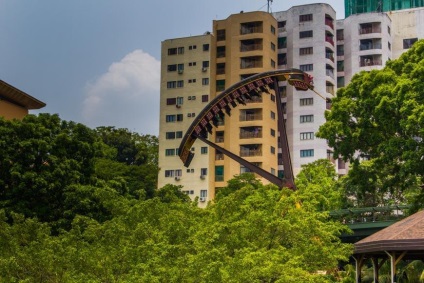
<point>254,99</point>
<point>369,46</point>
<point>329,55</point>
<point>250,152</point>
<point>220,71</point>
<point>368,30</point>
<point>250,132</point>
<point>219,178</point>
<point>364,62</point>
<point>329,39</point>
<point>249,28</point>
<point>251,117</point>
<point>329,72</point>
<point>329,22</point>
<point>329,89</point>
<point>251,62</point>
<point>219,156</point>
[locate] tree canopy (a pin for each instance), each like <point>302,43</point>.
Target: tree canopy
<point>379,116</point>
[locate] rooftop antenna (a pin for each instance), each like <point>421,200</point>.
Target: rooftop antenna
<point>269,5</point>
<point>379,6</point>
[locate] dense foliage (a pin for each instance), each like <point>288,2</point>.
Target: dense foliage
<point>80,205</point>
<point>379,117</point>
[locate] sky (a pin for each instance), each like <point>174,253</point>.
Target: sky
<point>97,62</point>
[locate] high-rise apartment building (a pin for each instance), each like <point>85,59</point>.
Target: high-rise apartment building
<point>307,37</point>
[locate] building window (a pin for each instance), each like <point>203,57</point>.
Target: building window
<point>170,118</point>
<point>180,68</point>
<point>306,33</point>
<point>204,150</point>
<point>273,132</point>
<point>205,47</point>
<point>203,193</point>
<point>220,85</point>
<point>307,136</point>
<point>307,153</point>
<point>272,115</point>
<point>203,171</point>
<point>180,100</point>
<point>172,68</point>
<point>306,118</point>
<point>306,51</point>
<point>180,50</point>
<point>220,35</point>
<point>179,117</point>
<point>205,81</point>
<point>171,101</point>
<point>272,46</point>
<point>305,18</point>
<point>272,150</point>
<point>205,64</point>
<point>272,171</point>
<point>282,24</point>
<point>340,50</point>
<point>306,67</point>
<point>169,173</point>
<point>272,63</point>
<point>179,134</point>
<point>306,101</point>
<point>272,29</point>
<point>171,84</point>
<point>219,173</point>
<point>282,58</point>
<point>220,52</point>
<point>282,42</point>
<point>170,135</point>
<point>172,51</point>
<point>251,62</point>
<point>192,47</point>
<point>205,97</point>
<point>180,84</point>
<point>169,152</point>
<point>407,43</point>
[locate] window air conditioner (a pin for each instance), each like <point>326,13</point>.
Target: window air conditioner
<point>204,69</point>
<point>180,71</point>
<point>177,105</point>
<point>177,178</point>
<point>202,177</point>
<point>202,199</point>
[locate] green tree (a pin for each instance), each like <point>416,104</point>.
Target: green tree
<point>380,116</point>
<point>40,156</point>
<point>132,158</point>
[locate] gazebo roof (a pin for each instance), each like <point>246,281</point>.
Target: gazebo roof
<point>405,235</point>
<point>16,96</point>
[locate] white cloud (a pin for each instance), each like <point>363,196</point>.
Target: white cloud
<point>126,96</point>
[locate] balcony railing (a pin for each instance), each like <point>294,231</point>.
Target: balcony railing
<point>250,47</point>
<point>330,40</point>
<point>370,46</point>
<point>219,139</point>
<point>219,178</point>
<point>368,30</point>
<point>251,64</point>
<point>220,54</point>
<point>329,23</point>
<point>329,73</point>
<point>250,117</point>
<point>329,55</point>
<point>250,152</point>
<point>370,62</point>
<point>219,156</point>
<point>254,99</point>
<point>220,71</point>
<point>330,89</point>
<point>250,135</point>
<point>248,30</point>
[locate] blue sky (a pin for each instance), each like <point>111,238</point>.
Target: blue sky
<point>97,62</point>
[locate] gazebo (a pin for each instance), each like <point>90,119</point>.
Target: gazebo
<point>402,240</point>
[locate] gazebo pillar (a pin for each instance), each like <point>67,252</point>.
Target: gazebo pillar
<point>377,265</point>
<point>393,262</point>
<point>359,262</point>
